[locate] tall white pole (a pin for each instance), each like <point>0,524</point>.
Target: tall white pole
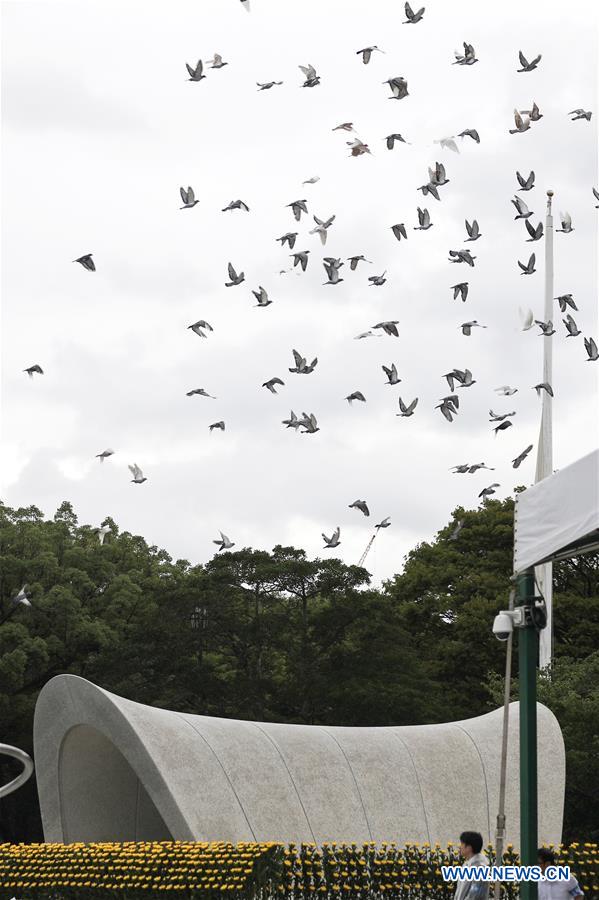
<point>544,573</point>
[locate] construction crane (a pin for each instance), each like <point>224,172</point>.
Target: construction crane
<point>368,546</point>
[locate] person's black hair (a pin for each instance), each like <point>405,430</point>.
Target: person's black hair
<point>472,839</point>
<point>546,855</point>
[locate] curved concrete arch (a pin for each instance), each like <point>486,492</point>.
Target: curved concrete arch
<point>112,769</point>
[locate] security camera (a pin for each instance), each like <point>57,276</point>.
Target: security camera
<point>506,621</point>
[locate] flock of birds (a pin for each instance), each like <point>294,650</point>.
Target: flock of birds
<point>449,405</point>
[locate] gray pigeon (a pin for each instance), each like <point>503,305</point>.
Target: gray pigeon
<point>564,301</point>
<point>200,392</point>
<point>478,466</point>
<point>534,114</point>
<point>195,74</point>
<point>236,204</point>
<point>412,18</point>
<point>547,328</point>
<point>308,422</point>
<point>138,475</point>
<point>361,505</point>
<point>462,469</point>
<point>468,58</point>
<point>266,86</point>
<point>528,66</point>
<point>535,233</point>
<point>571,326</point>
<point>473,230</point>
<point>301,366</point>
<point>522,124</point>
<point>104,454</point>
<point>377,280</point>
<point>389,327</point>
<point>356,395</point>
<point>23,596</point>
<point>288,238</point>
<point>522,208</point>
<point>521,457</point>
<point>333,541</point>
<point>198,328</point>
<point>486,492</point>
<point>566,221</point>
<point>392,377</point>
<point>217,62</point>
<point>398,87</point>
<point>468,326</point>
<point>312,79</point>
<point>543,386</point>
<point>366,53</point>
<point>292,422</point>
<point>301,258</point>
<point>407,410</point>
<point>219,425</point>
<point>298,207</point>
<point>502,426</point>
<point>496,417</point>
<point>270,384</point>
<point>460,256</point>
<point>460,289</point>
<point>424,220</point>
<point>87,262</point>
<point>235,278</point>
<point>526,184</point>
<point>224,543</point>
<point>580,114</point>
<point>188,198</point>
<point>392,138</point>
<point>354,260</point>
<point>529,268</point>
<point>470,132</point>
<point>399,231</point>
<point>590,346</point>
<point>384,523</point>
<point>262,297</point>
<point>37,370</point>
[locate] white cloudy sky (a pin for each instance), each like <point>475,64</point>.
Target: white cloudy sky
<point>101,127</point>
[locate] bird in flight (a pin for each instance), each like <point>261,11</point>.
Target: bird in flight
<point>384,523</point>
<point>301,258</point>
<point>104,454</point>
<point>356,395</point>
<point>262,297</point>
<point>545,386</point>
<point>468,326</point>
<point>460,290</point>
<point>322,227</point>
<point>472,133</point>
<point>529,268</point>
<point>591,348</point>
<point>312,79</point>
<point>391,139</point>
<point>361,505</point>
<point>534,114</point>
<point>102,532</point>
<point>301,366</point>
<point>528,66</point>
<point>580,114</point>
<point>456,531</point>
<point>566,221</point>
<point>236,204</point>
<point>138,475</point>
<point>308,422</point>
<point>354,260</point>
<point>377,280</point>
<point>270,384</point>
<point>473,230</point>
<point>467,58</point>
<point>235,278</point>
<point>34,370</point>
<point>547,328</point>
<point>333,541</point>
<point>522,124</point>
<point>220,425</point>
<point>522,208</point>
<point>216,62</point>
<point>200,392</point>
<point>392,377</point>
<point>298,207</point>
<point>521,457</point>
<point>389,327</point>
<point>87,262</point>
<point>197,73</point>
<point>398,87</point>
<point>399,231</point>
<point>571,326</point>
<point>486,492</point>
<point>23,596</point>
<point>412,18</point>
<point>526,184</point>
<point>367,52</point>
<point>224,543</point>
<point>535,233</point>
<point>408,410</point>
<point>424,220</point>
<point>188,198</point>
<point>564,301</point>
<point>198,326</point>
<point>266,85</point>
<point>505,390</point>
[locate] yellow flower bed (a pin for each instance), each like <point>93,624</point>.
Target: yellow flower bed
<point>137,870</point>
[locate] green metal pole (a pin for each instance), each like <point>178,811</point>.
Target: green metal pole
<point>528,649</point>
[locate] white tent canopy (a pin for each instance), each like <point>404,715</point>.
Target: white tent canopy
<point>559,516</point>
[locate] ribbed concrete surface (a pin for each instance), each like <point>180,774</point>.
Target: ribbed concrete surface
<point>111,769</point>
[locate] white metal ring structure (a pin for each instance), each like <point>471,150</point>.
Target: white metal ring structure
<point>109,769</point>
<point>22,777</point>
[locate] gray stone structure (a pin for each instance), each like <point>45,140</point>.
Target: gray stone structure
<point>111,769</point>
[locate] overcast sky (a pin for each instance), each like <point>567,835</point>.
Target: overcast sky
<point>101,128</point>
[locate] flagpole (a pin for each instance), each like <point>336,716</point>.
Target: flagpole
<point>544,573</point>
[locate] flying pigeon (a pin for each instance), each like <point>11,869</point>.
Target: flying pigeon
<point>356,395</point>
<point>465,378</point>
<point>429,189</point>
<point>580,114</point>
<point>289,239</point>
<point>298,207</point>
<point>473,230</point>
<point>526,184</point>
<point>266,86</point>
<point>521,457</point>
<point>566,221</point>
<point>447,409</point>
<point>104,454</point>
<point>547,328</point>
<point>312,79</point>
<point>522,208</point>
<point>412,17</point>
<point>496,417</point>
<point>448,143</point>
<point>292,422</point>
<point>456,531</point>
<point>345,126</point>
<point>505,390</point>
<point>527,320</point>
<point>224,543</point>
<point>332,267</point>
<point>478,466</point>
<point>535,233</point>
<point>102,532</point>
<point>502,426</point>
<point>470,132</point>
<point>468,58</point>
<point>220,425</point>
<point>461,469</point>
<point>34,369</point>
<point>407,410</point>
<point>361,505</point>
<point>489,490</point>
<point>301,366</point>
<point>308,422</point>
<point>332,541</point>
<point>389,328</point>
<point>236,204</point>
<point>522,124</point>
<point>188,198</point>
<point>528,66</point>
<point>321,228</point>
<point>392,138</point>
<point>424,220</point>
<point>235,278</point>
<point>216,62</point>
<point>398,88</point>
<point>534,114</point>
<point>301,258</point>
<point>195,74</point>
<point>138,475</point>
<point>200,392</point>
<point>358,147</point>
<point>261,296</point>
<point>384,523</point>
<point>366,53</point>
<point>399,231</point>
<point>468,326</point>
<point>23,596</point>
<point>460,256</point>
<point>544,386</point>
<point>377,280</point>
<point>591,348</point>
<point>312,180</point>
<point>354,260</point>
<point>366,334</point>
<point>270,384</point>
<point>437,175</point>
<point>529,268</point>
<point>391,374</point>
<point>460,289</point>
<point>87,262</point>
<point>198,326</point>
<point>564,301</point>
<point>571,326</point>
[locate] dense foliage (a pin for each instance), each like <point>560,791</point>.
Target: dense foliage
<point>370,871</point>
<point>278,637</point>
